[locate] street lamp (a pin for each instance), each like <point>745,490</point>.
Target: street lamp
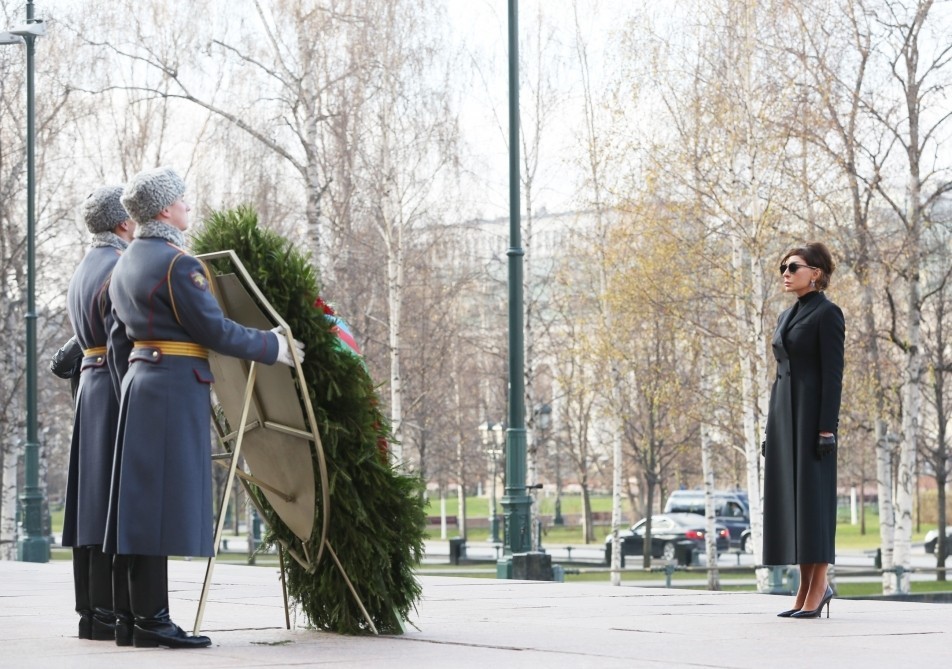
<point>33,546</point>
<point>544,421</point>
<point>515,501</point>
<point>493,440</point>
<point>499,440</point>
<point>557,519</point>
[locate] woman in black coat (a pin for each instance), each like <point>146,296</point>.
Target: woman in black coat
<point>800,446</point>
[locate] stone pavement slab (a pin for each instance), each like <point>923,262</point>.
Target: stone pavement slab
<point>463,623</point>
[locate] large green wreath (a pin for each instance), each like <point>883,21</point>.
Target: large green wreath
<point>377,519</point>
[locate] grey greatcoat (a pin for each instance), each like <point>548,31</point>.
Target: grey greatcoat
<point>161,501</point>
<point>97,404</point>
<point>799,488</point>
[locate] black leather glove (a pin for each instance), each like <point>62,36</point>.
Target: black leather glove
<point>763,448</point>
<point>825,446</point>
<point>67,361</point>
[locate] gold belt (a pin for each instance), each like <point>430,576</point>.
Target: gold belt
<point>95,350</point>
<point>186,348</point>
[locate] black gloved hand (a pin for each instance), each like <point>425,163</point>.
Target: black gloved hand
<point>67,362</point>
<point>763,448</point>
<point>825,445</point>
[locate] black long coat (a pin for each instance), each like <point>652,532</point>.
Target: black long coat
<point>799,489</point>
<point>161,497</point>
<point>97,404</point>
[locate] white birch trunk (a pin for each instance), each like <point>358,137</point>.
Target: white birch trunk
<point>460,466</point>
<point>761,390</point>
<point>887,519</point>
<point>532,444</point>
<point>906,475</point>
<point>752,350</point>
<point>395,300</point>
<point>442,513</point>
<point>707,468</point>
<point>532,479</point>
<point>461,506</point>
<point>914,88</point>
<point>44,465</point>
<point>249,528</point>
<point>749,354</point>
<point>616,508</point>
<point>8,518</point>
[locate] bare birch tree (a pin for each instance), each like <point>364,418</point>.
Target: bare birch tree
<point>409,146</point>
<point>597,151</point>
<point>935,447</point>
<point>540,100</point>
<point>707,466</point>
<point>920,65</point>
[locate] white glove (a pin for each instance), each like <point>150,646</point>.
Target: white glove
<point>284,353</point>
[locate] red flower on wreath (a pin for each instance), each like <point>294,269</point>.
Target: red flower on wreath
<point>383,447</point>
<point>323,306</point>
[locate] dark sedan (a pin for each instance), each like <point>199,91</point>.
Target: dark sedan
<point>673,536</point>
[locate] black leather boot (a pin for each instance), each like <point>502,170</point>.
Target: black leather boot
<point>100,595</point>
<point>81,588</point>
<point>149,586</point>
<point>159,630</point>
<point>121,603</point>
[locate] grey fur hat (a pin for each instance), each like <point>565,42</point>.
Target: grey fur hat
<point>151,191</point>
<point>102,210</point>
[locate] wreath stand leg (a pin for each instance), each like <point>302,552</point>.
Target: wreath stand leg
<point>220,524</point>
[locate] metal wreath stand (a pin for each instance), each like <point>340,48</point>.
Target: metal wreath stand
<point>272,434</point>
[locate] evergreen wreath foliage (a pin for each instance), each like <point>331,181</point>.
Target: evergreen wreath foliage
<point>377,518</point>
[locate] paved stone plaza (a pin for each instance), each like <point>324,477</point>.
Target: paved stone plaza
<point>483,623</point>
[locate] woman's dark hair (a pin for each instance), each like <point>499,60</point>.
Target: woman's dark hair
<point>816,255</point>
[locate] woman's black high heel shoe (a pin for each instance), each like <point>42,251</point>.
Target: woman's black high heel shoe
<point>787,614</point>
<point>815,613</point>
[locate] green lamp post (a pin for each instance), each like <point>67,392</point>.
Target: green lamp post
<point>33,546</point>
<point>516,501</point>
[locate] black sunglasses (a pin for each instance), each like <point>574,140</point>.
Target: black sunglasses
<point>794,267</point>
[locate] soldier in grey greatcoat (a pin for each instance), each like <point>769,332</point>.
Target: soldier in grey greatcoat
<point>166,319</point>
<point>96,413</point>
<point>800,447</point>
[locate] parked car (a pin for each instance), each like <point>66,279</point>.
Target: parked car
<point>673,536</point>
<point>932,539</point>
<point>731,509</point>
<point>746,545</point>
